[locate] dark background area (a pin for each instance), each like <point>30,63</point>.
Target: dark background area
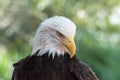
<point>97,37</point>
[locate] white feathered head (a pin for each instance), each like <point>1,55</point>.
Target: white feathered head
<point>56,36</point>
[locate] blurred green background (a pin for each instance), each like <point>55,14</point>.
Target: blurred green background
<point>97,37</point>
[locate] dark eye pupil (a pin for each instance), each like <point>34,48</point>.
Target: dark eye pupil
<point>59,34</point>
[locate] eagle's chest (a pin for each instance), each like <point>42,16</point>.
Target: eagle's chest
<point>54,69</point>
<point>52,72</point>
<point>48,68</point>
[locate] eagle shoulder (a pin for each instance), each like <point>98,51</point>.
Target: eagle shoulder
<point>26,67</point>
<point>81,70</point>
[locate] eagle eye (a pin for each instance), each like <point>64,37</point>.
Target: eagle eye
<point>59,34</point>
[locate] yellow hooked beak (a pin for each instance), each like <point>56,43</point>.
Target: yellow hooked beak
<point>70,45</point>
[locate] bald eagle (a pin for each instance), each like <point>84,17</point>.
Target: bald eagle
<point>53,54</point>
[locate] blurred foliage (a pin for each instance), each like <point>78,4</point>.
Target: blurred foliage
<point>97,37</point>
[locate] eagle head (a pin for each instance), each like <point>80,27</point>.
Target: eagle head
<point>55,36</point>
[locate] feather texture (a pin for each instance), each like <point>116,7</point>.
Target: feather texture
<point>46,68</point>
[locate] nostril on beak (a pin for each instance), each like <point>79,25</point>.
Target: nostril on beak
<point>69,41</point>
